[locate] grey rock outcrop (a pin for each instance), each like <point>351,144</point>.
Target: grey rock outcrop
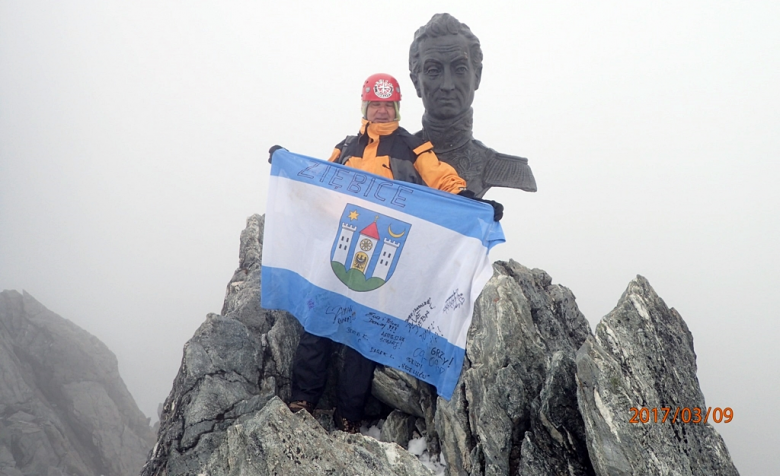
<point>63,406</point>
<point>517,409</point>
<point>398,428</point>
<point>231,368</point>
<point>274,441</point>
<point>642,357</point>
<point>524,331</point>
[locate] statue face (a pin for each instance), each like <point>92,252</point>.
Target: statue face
<point>447,79</point>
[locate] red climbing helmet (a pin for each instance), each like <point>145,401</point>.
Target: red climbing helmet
<point>381,87</point>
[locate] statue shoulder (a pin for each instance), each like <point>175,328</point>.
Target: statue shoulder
<point>504,170</point>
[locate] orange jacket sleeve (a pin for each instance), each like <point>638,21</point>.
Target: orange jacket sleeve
<point>437,174</point>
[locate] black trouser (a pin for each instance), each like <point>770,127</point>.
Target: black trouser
<point>310,373</point>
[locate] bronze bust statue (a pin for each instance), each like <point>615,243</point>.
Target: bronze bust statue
<point>445,64</point>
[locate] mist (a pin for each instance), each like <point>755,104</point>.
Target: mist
<point>134,139</point>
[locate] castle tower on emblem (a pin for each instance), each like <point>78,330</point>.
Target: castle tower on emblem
<point>386,258</point>
<point>365,260</point>
<point>347,231</point>
<point>367,240</point>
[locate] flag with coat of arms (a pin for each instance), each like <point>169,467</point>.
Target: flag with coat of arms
<point>389,268</point>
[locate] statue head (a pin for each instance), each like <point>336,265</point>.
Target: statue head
<point>445,64</point>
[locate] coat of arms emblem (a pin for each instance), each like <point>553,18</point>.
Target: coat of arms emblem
<point>367,247</point>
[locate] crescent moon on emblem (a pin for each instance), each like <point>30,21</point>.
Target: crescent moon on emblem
<point>395,235</point>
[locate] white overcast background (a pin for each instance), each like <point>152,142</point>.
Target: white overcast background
<point>134,138</point>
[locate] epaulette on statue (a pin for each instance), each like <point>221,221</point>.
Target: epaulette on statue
<point>503,170</point>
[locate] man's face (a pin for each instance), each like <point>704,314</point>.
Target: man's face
<point>447,80</point>
<point>380,111</point>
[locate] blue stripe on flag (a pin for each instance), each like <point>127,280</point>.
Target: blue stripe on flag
<point>378,336</point>
<point>442,208</point>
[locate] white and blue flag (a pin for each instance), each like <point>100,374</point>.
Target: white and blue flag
<point>389,268</point>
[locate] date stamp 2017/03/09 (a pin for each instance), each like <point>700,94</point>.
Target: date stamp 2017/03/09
<point>681,415</point>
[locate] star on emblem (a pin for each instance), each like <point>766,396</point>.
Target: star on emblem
<point>353,215</point>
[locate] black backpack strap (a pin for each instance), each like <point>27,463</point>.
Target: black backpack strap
<point>404,170</point>
<point>345,146</point>
<point>410,140</point>
<point>403,157</point>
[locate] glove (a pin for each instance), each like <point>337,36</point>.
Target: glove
<point>272,150</point>
<point>498,209</point>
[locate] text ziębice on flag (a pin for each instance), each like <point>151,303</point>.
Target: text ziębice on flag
<point>391,269</point>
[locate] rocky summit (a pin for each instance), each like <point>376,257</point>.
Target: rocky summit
<point>64,410</point>
<point>642,358</point>
<point>539,393</point>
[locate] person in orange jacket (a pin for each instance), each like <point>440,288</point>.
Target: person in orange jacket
<point>383,148</point>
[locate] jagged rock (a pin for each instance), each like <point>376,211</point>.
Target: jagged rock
<point>276,442</point>
<point>228,372</point>
<point>520,321</point>
<point>398,428</point>
<point>515,409</point>
<point>558,428</point>
<point>63,406</point>
<point>642,356</point>
<point>415,397</point>
<point>232,367</point>
<point>400,390</point>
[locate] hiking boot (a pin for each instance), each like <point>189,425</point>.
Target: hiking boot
<point>299,405</point>
<point>347,426</point>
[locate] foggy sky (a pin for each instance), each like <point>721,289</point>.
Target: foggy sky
<point>134,138</point>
